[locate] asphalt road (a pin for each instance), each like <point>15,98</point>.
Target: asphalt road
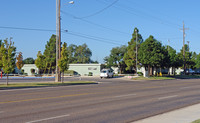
<point>111,101</point>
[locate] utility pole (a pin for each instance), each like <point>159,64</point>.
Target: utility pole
<point>136,48</point>
<point>188,46</point>
<point>188,52</point>
<point>58,41</point>
<point>184,62</point>
<point>168,44</point>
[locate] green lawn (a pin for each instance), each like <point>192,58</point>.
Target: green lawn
<point>153,78</point>
<point>197,121</point>
<point>43,84</point>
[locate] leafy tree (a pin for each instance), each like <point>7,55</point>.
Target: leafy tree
<point>50,54</point>
<point>71,51</point>
<point>19,63</point>
<point>188,57</point>
<point>150,54</point>
<point>29,61</point>
<point>116,58</point>
<point>197,61</point>
<point>8,51</point>
<point>175,59</point>
<point>1,65</point>
<point>83,54</point>
<point>40,61</point>
<point>130,55</point>
<point>64,60</point>
<point>79,54</point>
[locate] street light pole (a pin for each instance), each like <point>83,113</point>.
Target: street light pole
<point>58,41</point>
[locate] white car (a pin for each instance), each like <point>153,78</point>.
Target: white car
<point>106,73</point>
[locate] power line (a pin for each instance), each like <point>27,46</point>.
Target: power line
<point>100,11</point>
<point>30,29</point>
<point>92,38</point>
<point>95,24</point>
<point>99,39</point>
<point>133,11</point>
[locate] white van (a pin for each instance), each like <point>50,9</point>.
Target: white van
<point>106,73</point>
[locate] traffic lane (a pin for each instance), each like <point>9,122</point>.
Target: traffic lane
<point>52,79</point>
<point>119,96</point>
<point>113,106</point>
<point>30,93</point>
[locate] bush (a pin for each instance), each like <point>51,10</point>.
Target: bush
<point>70,72</point>
<point>140,73</point>
<point>90,74</point>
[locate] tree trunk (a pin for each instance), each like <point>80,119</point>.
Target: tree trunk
<point>7,79</point>
<point>169,71</point>
<point>173,68</point>
<point>63,77</point>
<point>149,70</point>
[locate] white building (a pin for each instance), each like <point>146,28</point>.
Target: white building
<point>82,69</point>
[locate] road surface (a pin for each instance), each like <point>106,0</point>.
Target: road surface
<point>111,101</point>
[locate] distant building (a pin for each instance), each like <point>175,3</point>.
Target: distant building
<point>27,68</point>
<point>82,69</point>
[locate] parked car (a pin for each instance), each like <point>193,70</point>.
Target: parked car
<point>189,71</point>
<point>106,73</point>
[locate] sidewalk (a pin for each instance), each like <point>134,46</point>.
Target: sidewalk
<point>184,115</point>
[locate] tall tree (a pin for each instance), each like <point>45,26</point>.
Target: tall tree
<point>1,65</point>
<point>19,63</point>
<point>82,54</point>
<point>29,61</point>
<point>50,54</point>
<point>40,61</point>
<point>197,61</point>
<point>116,58</point>
<point>71,52</point>
<point>8,57</point>
<point>150,54</point>
<point>175,60</point>
<point>63,63</point>
<point>130,55</point>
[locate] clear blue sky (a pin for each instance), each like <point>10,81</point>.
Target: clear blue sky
<point>106,29</point>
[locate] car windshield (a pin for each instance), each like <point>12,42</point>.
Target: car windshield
<point>103,71</point>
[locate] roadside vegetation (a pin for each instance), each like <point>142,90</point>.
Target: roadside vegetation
<point>196,121</point>
<point>42,84</point>
<point>153,78</point>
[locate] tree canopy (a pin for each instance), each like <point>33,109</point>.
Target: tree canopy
<point>29,60</point>
<point>130,55</point>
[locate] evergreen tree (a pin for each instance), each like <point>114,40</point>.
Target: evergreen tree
<point>130,55</point>
<point>50,54</point>
<point>151,54</point>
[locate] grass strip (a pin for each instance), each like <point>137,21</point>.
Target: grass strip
<point>152,78</point>
<point>43,84</point>
<point>196,121</point>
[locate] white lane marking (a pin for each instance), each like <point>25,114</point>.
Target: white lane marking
<point>48,118</point>
<point>125,95</point>
<point>185,87</point>
<point>162,98</point>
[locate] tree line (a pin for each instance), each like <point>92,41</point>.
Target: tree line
<point>151,54</point>
<point>46,61</point>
